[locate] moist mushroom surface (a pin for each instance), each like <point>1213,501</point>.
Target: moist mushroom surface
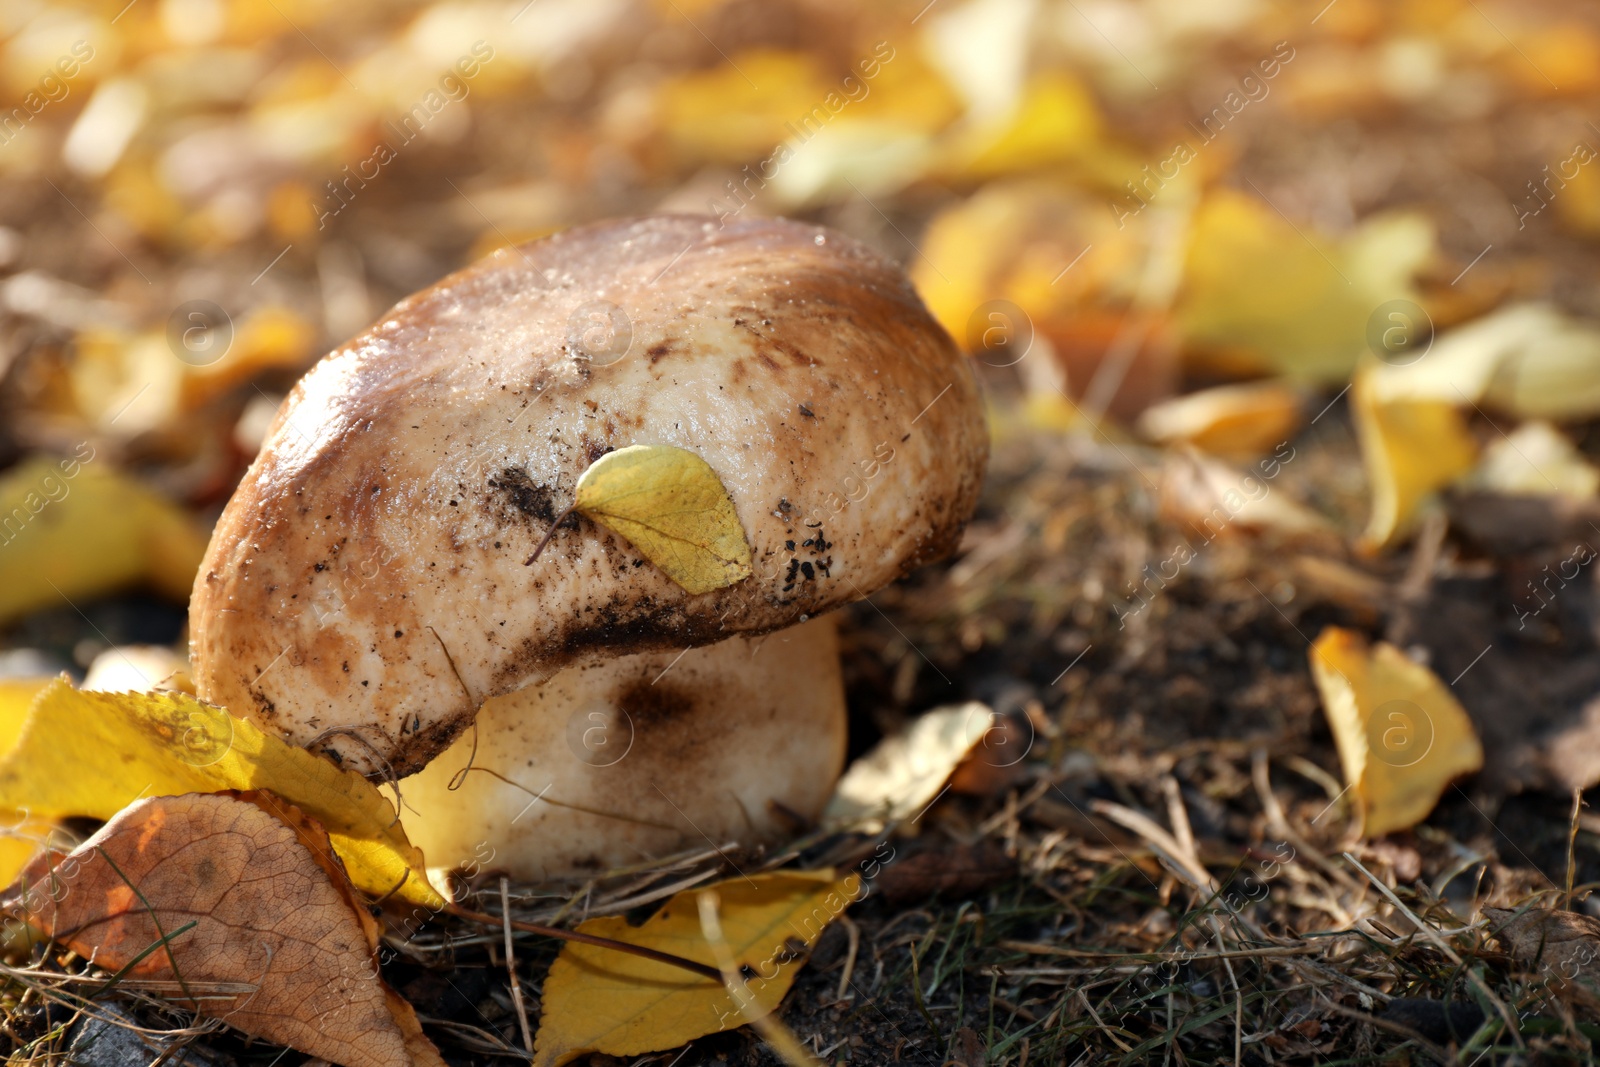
<point>365,588</point>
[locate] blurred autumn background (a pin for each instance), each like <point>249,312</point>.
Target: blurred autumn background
<point>1287,317</point>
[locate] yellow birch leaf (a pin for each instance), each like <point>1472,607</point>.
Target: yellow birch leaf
<point>1402,737</point>
<point>92,754</point>
<point>600,1000</point>
<point>672,507</point>
<point>1411,448</point>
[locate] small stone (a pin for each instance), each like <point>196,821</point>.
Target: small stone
<point>109,1040</point>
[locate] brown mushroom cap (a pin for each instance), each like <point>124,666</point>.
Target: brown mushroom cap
<point>365,587</point>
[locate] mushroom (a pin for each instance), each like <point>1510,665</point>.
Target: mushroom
<point>365,591</point>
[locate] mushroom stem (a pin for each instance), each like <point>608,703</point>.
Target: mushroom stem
<point>554,526</point>
<point>703,970</point>
<point>640,756</point>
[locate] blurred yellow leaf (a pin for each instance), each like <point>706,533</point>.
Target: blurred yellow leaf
<point>268,338</point>
<point>1402,737</point>
<point>1213,498</point>
<point>1531,360</point>
<point>600,1000</point>
<point>671,506</point>
<point>1535,459</point>
<point>1264,295</point>
<point>72,529</point>
<point>737,111</point>
<point>1056,121</point>
<point>92,754</point>
<point>123,382</point>
<point>1046,248</point>
<point>1411,450</point>
<point>851,157</point>
<point>1556,59</point>
<point>1232,421</point>
<point>137,194</point>
<point>22,834</point>
<point>901,91</point>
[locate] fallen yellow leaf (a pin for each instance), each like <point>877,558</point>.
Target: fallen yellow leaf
<point>1535,459</point>
<point>1211,498</point>
<point>743,108</point>
<point>1231,421</point>
<point>1055,121</point>
<point>1401,735</point>
<point>1262,294</point>
<point>22,834</point>
<point>251,918</point>
<point>1411,449</point>
<point>1015,241</point>
<point>671,506</point>
<point>92,754</point>
<point>71,528</point>
<point>1530,360</point>
<point>600,1000</point>
<point>905,771</point>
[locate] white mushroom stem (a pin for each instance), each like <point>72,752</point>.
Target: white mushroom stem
<point>637,757</point>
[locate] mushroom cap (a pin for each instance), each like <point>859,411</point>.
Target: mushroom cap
<point>365,588</point>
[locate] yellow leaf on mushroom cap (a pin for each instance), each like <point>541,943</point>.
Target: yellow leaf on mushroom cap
<point>601,1000</point>
<point>1402,737</point>
<point>92,754</point>
<point>671,506</point>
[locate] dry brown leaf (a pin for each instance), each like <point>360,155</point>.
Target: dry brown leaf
<point>1563,945</point>
<point>1213,498</point>
<point>207,891</point>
